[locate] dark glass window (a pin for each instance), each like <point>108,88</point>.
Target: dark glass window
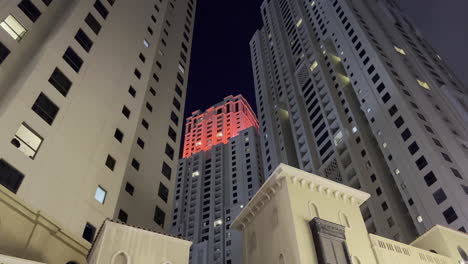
<point>163,192</point>
<point>123,216</point>
<point>118,135</point>
<point>174,118</point>
<point>45,108</point>
<point>172,134</point>
<point>406,134</point>
<point>439,196</point>
<point>142,57</point>
<point>60,82</point>
<point>30,10</point>
<point>450,215</point>
<point>421,163</point>
<point>169,151</point>
<point>180,78</point>
<point>393,110</point>
<point>88,232</point>
<point>136,164</point>
<point>430,178</point>
<point>137,73</point>
<point>110,162</point>
<point>129,188</point>
<point>132,91</point>
<point>126,112</point>
<point>399,122</point>
<point>73,59</point>
<point>84,40</point>
<point>144,123</point>
<point>166,170</point>
<point>159,216</point>
<point>141,143</point>
<point>178,90</point>
<point>152,91</point>
<point>10,177</point>
<point>93,23</point>
<point>102,10</point>
<point>176,103</point>
<point>47,2</point>
<point>413,148</point>
<point>149,107</point>
<point>4,52</point>
<point>456,173</point>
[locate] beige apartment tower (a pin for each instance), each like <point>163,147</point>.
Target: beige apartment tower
<point>92,97</point>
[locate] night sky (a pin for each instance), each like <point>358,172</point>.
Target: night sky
<point>221,58</point>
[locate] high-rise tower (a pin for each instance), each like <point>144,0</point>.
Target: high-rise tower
<point>350,90</point>
<point>219,175</point>
<point>91,99</point>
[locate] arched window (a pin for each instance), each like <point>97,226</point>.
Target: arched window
<point>281,259</point>
<point>313,210</point>
<point>463,254</point>
<point>120,258</point>
<point>344,220</point>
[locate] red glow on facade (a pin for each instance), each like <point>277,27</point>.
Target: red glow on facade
<point>217,124</point>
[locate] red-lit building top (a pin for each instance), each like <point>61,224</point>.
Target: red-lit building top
<point>217,124</point>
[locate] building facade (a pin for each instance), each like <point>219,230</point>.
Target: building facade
<point>298,217</point>
<point>217,180</point>
<point>91,104</point>
<point>351,91</point>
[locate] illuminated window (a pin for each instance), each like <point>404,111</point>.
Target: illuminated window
<point>338,138</point>
<point>146,43</point>
<point>420,219</point>
<point>100,195</point>
<point>354,130</point>
<point>384,145</point>
<point>313,3</point>
<point>313,66</point>
<point>400,50</point>
<point>218,222</point>
<point>198,143</point>
<point>423,84</point>
<point>13,27</point>
<point>397,171</point>
<point>220,134</point>
<point>299,22</point>
<point>195,173</point>
<point>27,141</point>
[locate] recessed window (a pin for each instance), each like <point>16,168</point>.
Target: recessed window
<point>83,39</point>
<point>174,118</point>
<point>13,27</point>
<point>135,164</point>
<point>172,134</point>
<point>393,110</point>
<point>110,162</point>
<point>4,52</point>
<point>89,232</point>
<point>181,68</point>
<point>142,58</point>
<point>126,112</point>
<point>178,90</point>
<point>378,191</point>
<point>45,108</point>
<point>132,91</point>
<point>93,23</point>
<point>60,82</point>
<point>30,10</point>
<point>384,206</point>
<point>450,215</point>
<point>144,123</point>
<point>413,148</point>
<point>141,143</point>
<point>166,170</point>
<point>100,195</point>
<point>118,135</point>
<point>123,216</point>
<point>149,107</point>
<point>313,66</point>
<point>102,10</point>
<point>163,192</point>
<point>159,216</point>
<point>150,30</point>
<point>456,173</point>
<point>10,177</point>
<point>439,196</point>
<point>137,73</point>
<point>180,78</point>
<point>73,59</point>
<point>129,188</point>
<point>421,163</point>
<point>406,134</point>
<point>399,122</point>
<point>27,141</point>
<point>169,151</point>
<point>430,178</point>
<point>152,91</point>
<point>176,103</point>
<point>47,2</point>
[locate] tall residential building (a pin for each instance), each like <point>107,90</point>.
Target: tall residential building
<point>91,100</point>
<point>219,176</point>
<point>350,90</point>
